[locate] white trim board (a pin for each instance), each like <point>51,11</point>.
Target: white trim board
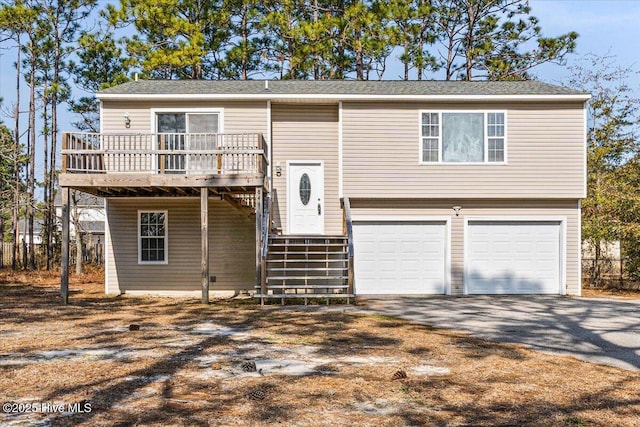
<point>340,97</point>
<point>340,155</point>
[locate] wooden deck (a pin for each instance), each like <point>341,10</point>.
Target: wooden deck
<point>163,164</point>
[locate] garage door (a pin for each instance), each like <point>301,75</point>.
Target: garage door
<point>399,257</point>
<point>513,257</point>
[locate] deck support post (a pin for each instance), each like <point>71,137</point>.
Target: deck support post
<point>64,268</point>
<point>204,242</point>
<point>259,237</point>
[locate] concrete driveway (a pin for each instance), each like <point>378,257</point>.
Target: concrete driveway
<point>603,331</point>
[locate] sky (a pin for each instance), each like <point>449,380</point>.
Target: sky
<point>606,27</point>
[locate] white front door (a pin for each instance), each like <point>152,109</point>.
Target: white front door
<point>305,198</point>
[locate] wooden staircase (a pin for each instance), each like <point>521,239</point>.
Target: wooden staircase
<point>306,267</point>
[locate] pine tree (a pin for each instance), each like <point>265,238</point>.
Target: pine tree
<point>100,65</point>
<point>490,39</point>
<point>174,39</point>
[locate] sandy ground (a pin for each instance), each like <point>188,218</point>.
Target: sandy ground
<point>235,363</point>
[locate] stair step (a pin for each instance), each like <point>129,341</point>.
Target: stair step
<point>317,260</point>
<point>308,253</point>
<point>304,295</point>
<point>304,245</point>
<point>302,287</point>
<point>307,269</point>
<point>306,278</point>
<point>306,236</point>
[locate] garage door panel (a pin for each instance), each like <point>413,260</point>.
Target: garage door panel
<point>400,257</point>
<point>513,257</point>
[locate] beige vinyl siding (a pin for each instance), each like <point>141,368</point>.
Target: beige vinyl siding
<point>231,246</point>
<point>545,153</point>
<point>484,208</point>
<point>239,116</point>
<point>306,132</point>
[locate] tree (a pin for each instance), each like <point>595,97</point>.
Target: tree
<point>490,39</point>
<point>366,38</point>
<point>281,25</point>
<point>629,215</point>
<point>174,39</point>
<point>412,30</point>
<point>610,211</point>
<point>7,152</point>
<point>246,42</point>
<point>100,65</point>
<point>22,19</point>
<point>63,18</point>
<point>13,29</point>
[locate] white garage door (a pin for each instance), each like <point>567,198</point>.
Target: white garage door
<point>399,257</point>
<point>513,257</point>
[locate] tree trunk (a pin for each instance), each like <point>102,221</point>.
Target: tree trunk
<point>406,60</point>
<point>45,189</point>
<point>359,57</point>
<point>32,155</point>
<point>54,146</point>
<point>78,252</point>
<point>596,277</point>
<point>75,217</point>
<point>245,41</point>
<point>469,38</point>
<point>15,221</point>
<point>2,225</point>
<point>316,61</point>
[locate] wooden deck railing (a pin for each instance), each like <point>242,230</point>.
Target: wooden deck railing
<point>164,153</point>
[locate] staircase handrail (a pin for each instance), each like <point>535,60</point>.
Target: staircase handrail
<point>264,240</point>
<point>348,229</point>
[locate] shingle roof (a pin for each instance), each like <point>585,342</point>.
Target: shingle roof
<point>95,227</point>
<point>338,87</point>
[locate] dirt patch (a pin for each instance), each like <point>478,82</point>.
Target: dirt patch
<point>624,294</point>
<point>234,363</point>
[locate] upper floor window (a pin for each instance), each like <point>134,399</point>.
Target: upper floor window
<point>462,137</point>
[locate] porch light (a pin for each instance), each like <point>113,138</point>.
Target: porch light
<point>127,121</point>
<point>457,209</point>
<point>278,170</point>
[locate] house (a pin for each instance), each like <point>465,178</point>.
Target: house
<point>88,211</point>
<point>23,231</point>
<point>337,188</point>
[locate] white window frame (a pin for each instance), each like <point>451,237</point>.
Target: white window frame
<point>166,237</point>
<point>486,137</point>
<point>154,123</point>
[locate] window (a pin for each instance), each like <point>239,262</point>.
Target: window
<point>152,237</point>
<point>201,128</point>
<point>462,137</point>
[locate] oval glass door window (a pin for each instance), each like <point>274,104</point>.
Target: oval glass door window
<point>305,189</point>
